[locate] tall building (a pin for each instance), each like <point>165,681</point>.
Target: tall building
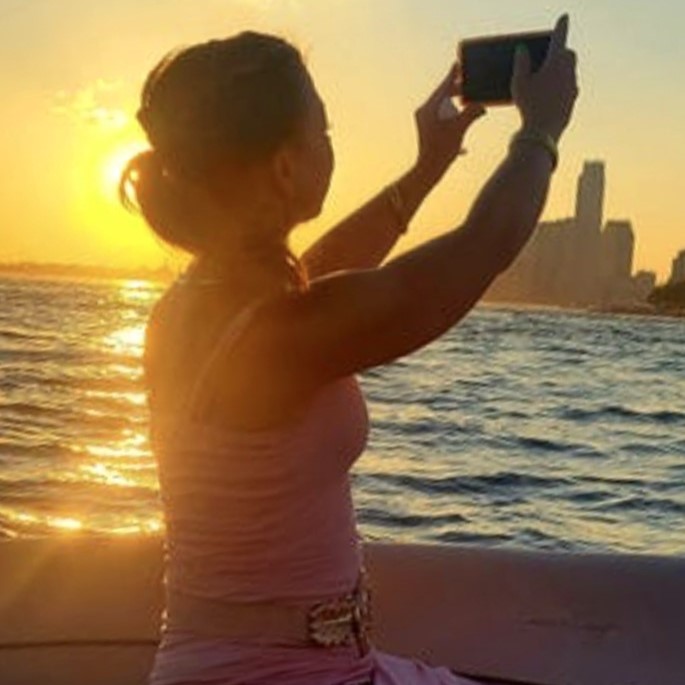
<point>618,244</point>
<point>678,270</point>
<point>589,219</point>
<point>590,199</point>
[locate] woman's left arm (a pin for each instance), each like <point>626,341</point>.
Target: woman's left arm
<point>364,239</point>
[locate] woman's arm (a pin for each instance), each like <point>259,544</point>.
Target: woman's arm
<point>364,239</point>
<point>357,319</point>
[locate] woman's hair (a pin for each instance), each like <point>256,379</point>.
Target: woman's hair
<point>234,101</point>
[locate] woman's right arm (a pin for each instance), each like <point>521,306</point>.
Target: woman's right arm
<point>350,321</point>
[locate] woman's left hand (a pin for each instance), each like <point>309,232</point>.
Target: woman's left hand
<point>442,127</point>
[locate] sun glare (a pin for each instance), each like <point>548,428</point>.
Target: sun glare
<point>115,164</point>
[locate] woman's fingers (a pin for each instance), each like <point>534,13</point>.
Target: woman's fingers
<point>448,110</point>
<point>447,87</point>
<point>557,44</point>
<point>559,35</point>
<point>458,79</point>
<point>470,113</point>
<point>522,68</point>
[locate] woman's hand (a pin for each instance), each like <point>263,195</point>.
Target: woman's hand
<point>546,98</point>
<point>442,127</point>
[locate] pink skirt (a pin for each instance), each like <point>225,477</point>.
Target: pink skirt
<point>185,659</point>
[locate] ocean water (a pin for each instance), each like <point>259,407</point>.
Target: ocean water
<point>542,429</point>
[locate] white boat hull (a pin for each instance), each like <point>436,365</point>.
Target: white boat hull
<point>86,610</point>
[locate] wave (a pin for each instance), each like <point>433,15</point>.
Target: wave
<point>504,481</point>
<point>36,490</point>
<point>23,334</point>
<point>668,417</point>
<point>462,537</point>
<point>27,408</point>
<point>644,504</point>
<point>382,517</point>
<point>547,445</point>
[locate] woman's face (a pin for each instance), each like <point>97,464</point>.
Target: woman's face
<point>313,161</point>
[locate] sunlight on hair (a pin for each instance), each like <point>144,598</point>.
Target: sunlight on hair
<point>114,165</point>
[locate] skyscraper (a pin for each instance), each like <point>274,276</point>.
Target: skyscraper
<point>589,219</point>
<point>618,243</point>
<point>590,199</point>
<point>678,271</point>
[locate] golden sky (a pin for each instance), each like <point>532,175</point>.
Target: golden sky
<point>71,74</point>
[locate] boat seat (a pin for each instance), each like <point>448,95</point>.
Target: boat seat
<point>81,610</point>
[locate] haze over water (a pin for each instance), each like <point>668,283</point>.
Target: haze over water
<point>535,428</point>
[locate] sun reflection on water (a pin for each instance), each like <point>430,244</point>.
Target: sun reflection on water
<point>127,341</point>
<point>151,526</point>
<point>101,473</point>
<point>64,523</point>
<point>132,447</point>
<point>138,291</point>
<point>25,523</point>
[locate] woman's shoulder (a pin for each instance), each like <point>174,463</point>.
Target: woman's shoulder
<point>190,344</point>
<point>182,328</point>
<point>185,312</point>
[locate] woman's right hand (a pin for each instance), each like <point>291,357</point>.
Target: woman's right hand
<point>545,98</point>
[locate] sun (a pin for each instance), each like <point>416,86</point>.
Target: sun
<point>115,164</point>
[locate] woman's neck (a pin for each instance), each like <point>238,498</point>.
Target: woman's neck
<point>248,275</point>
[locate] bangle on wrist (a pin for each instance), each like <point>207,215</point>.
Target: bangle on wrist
<point>534,137</point>
<point>398,206</point>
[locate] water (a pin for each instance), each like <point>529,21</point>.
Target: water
<point>521,427</point>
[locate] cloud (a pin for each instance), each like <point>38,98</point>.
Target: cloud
<point>89,105</point>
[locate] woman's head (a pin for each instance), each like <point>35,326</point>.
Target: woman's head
<point>239,149</point>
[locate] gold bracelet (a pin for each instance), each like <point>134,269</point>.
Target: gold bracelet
<point>397,204</point>
<point>538,138</point>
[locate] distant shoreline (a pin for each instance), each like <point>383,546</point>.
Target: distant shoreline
<point>78,272</point>
<point>644,310</point>
<point>29,270</point>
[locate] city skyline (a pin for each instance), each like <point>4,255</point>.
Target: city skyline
<point>583,260</point>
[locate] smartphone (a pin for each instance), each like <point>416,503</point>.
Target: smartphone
<point>487,64</point>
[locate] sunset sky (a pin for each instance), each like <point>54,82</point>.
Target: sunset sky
<point>71,73</point>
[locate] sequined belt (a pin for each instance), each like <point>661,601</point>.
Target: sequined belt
<point>344,620</point>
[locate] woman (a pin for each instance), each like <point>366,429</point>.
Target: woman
<point>251,357</point>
